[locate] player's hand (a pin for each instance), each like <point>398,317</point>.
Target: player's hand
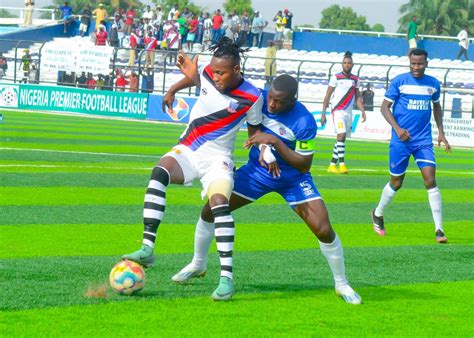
<point>268,160</point>
<point>403,135</point>
<point>260,138</point>
<point>364,117</point>
<point>167,104</point>
<point>188,67</point>
<point>323,119</point>
<point>442,139</point>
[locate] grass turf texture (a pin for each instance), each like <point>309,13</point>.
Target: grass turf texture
<point>67,215</point>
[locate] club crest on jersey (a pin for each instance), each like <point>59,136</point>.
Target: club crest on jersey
<point>282,131</point>
<point>204,91</point>
<point>430,91</point>
<point>233,107</point>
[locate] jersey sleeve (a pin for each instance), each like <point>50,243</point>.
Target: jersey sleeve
<point>333,81</point>
<point>437,93</point>
<point>254,114</point>
<point>305,137</point>
<point>393,91</point>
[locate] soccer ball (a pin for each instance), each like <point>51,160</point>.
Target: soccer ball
<point>127,277</point>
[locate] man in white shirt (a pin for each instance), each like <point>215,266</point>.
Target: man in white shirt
<point>463,43</point>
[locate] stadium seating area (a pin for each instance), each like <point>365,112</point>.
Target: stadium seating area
<point>312,70</point>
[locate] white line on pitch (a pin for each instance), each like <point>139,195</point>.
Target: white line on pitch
<point>78,152</point>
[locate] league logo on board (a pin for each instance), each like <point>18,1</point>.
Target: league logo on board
<point>9,96</point>
<point>180,110</point>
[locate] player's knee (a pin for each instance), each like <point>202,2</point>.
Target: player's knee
<point>325,233</point>
<point>396,183</point>
<point>218,199</point>
<point>430,182</point>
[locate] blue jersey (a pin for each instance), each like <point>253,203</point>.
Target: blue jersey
<point>411,98</point>
<point>296,128</point>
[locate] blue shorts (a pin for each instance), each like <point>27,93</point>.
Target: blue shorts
<point>251,184</point>
<point>67,17</point>
<point>400,156</point>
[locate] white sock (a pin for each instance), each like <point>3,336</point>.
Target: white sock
<point>203,237</point>
<point>434,196</point>
<point>387,196</point>
<point>335,257</point>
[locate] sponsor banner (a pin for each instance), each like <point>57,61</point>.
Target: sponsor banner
<point>180,113</point>
<point>459,132</point>
<point>9,94</point>
<point>74,100</point>
<point>76,56</point>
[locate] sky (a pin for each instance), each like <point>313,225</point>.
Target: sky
<point>304,11</point>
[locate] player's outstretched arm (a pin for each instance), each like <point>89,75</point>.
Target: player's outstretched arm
<point>403,134</point>
<point>438,116</point>
<point>360,105</point>
<point>168,99</point>
<point>329,92</point>
<point>189,67</point>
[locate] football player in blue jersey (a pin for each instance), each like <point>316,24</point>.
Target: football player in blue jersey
<point>407,108</point>
<point>279,161</point>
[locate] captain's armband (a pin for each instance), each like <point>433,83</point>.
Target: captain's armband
<point>305,147</point>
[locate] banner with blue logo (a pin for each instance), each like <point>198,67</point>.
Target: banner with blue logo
<point>180,113</point>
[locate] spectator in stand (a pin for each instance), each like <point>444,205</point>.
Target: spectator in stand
<point>133,49</point>
<point>25,64</point>
<point>270,64</point>
<point>207,32</point>
<point>158,22</point>
<point>81,80</point>
<point>151,43</point>
<point>100,82</point>
<point>108,85</point>
<point>148,13</point>
<point>258,24</point>
<point>118,21</point>
<point>133,82</point>
<point>217,21</point>
<point>120,81</point>
<point>368,98</point>
<point>463,38</point>
<point>147,81</point>
<point>129,17</point>
<point>187,15</point>
<point>33,74</point>
<point>200,28</point>
<point>280,23</point>
<point>193,26</point>
<point>86,16</point>
<point>100,15</point>
<point>119,13</point>
<point>113,36</point>
<point>28,13</point>
<point>174,13</point>
<point>235,25</point>
<point>289,21</point>
<point>101,36</point>
<point>244,28</point>
<point>90,82</point>
<point>228,27</point>
<point>183,30</point>
<point>66,14</point>
<point>411,35</point>
<point>3,65</point>
<point>172,39</point>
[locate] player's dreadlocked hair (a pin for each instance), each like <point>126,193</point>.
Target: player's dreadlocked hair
<point>226,48</point>
<point>348,55</point>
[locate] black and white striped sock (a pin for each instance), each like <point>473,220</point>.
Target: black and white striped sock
<point>155,201</point>
<point>224,232</point>
<point>334,154</point>
<point>341,149</point>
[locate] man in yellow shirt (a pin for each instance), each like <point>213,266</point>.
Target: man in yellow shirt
<point>100,15</point>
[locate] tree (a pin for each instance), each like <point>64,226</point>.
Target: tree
<point>378,27</point>
<point>79,5</point>
<point>182,4</point>
<point>6,14</point>
<point>335,17</point>
<point>437,17</point>
<point>239,6</point>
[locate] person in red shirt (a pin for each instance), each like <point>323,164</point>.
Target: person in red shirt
<point>129,17</point>
<point>191,37</point>
<point>90,82</point>
<point>133,82</point>
<point>133,49</point>
<point>151,43</point>
<point>217,21</point>
<point>101,36</point>
<point>120,82</point>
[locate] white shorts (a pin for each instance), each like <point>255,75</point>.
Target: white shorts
<point>82,27</point>
<point>342,122</point>
<point>207,169</point>
<point>412,43</point>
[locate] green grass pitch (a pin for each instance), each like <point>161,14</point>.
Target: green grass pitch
<point>71,195</point>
